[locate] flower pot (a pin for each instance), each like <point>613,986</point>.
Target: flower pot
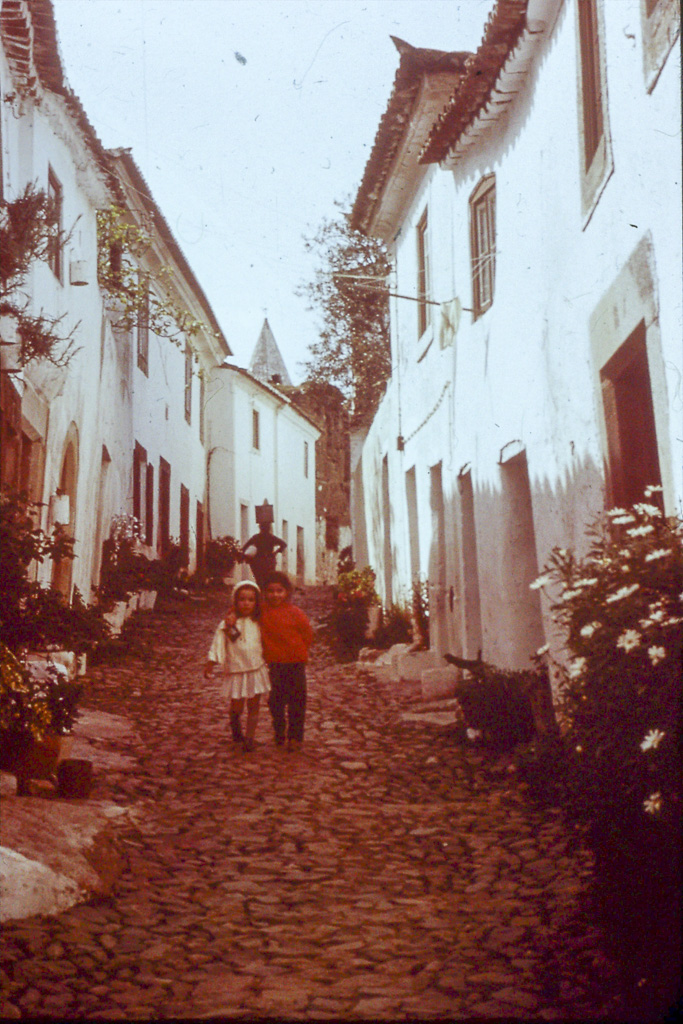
<point>117,616</point>
<point>28,758</point>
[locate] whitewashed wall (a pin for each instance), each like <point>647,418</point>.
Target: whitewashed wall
<point>241,476</point>
<point>62,406</point>
<point>522,381</point>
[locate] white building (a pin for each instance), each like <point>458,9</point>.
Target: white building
<point>51,440</point>
<point>261,448</point>
<point>532,194</point>
<point>119,429</point>
<point>162,477</point>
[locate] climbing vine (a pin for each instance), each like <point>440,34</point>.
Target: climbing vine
<point>29,231</point>
<point>132,295</point>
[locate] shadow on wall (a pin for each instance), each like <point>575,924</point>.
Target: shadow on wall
<point>497,541</point>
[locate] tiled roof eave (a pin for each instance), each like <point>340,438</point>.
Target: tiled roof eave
<point>414,65</point>
<point>29,35</point>
<point>504,30</point>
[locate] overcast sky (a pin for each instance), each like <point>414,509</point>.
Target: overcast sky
<point>248,119</point>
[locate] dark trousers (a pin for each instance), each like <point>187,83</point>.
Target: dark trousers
<point>287,700</point>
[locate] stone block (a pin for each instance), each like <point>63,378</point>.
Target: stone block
<point>410,666</point>
<point>438,683</point>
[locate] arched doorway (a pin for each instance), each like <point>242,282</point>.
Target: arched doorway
<point>62,568</point>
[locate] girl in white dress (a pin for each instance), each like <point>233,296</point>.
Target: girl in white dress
<point>238,649</point>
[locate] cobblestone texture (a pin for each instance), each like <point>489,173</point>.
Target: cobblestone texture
<point>384,872</point>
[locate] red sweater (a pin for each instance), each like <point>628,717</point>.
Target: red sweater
<point>286,633</point>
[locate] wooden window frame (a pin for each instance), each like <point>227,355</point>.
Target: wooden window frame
<point>483,244</point>
<point>423,274</point>
<point>594,135</point>
<point>149,505</point>
<point>55,194</point>
<point>188,383</point>
<point>142,328</point>
<point>255,430</point>
<point>306,455</point>
<point>660,27</point>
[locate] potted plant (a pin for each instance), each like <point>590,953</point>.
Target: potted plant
<point>38,707</point>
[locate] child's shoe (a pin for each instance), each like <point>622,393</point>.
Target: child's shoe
<point>249,745</point>
<point>293,746</point>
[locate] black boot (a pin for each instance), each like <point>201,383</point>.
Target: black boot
<point>236,727</point>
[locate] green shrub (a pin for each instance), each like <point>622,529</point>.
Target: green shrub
<point>395,628</point>
<point>354,594</point>
<point>221,556</point>
<point>621,610</point>
<point>420,610</point>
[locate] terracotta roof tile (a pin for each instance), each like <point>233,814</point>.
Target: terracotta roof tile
<point>504,28</point>
<point>414,64</point>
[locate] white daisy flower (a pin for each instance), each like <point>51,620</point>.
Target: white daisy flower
<point>629,639</point>
<point>652,489</point>
<point>587,582</point>
<point>617,512</point>
<point>656,654</point>
<point>542,581</point>
<point>641,531</point>
<point>622,593</point>
<point>590,628</point>
<point>576,668</point>
<point>652,739</point>
<point>652,556</point>
<point>648,510</point>
<point>622,520</point>
<point>653,804</point>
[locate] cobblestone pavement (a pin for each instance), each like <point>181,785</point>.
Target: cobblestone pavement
<point>384,872</point>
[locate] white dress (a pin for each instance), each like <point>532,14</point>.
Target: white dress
<point>246,672</point>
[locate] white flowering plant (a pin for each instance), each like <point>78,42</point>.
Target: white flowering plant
<point>621,609</point>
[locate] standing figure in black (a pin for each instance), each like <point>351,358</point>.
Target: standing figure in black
<point>260,551</point>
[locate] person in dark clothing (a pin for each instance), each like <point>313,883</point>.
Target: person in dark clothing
<point>260,551</point>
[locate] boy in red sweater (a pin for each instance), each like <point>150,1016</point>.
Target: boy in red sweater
<point>287,634</point>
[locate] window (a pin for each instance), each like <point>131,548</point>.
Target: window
<point>184,526</point>
<point>202,399</point>
<point>423,279</point>
<point>139,483</point>
<point>660,20</point>
<point>164,535</point>
<point>188,383</point>
<point>483,243</point>
<point>633,459</point>
<point>255,430</point>
<point>590,78</point>
<point>596,159</point>
<point>143,325</point>
<point>306,458</point>
<point>149,505</point>
<point>55,200</point>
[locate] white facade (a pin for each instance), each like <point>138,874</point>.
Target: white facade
<point>260,448</point>
<point>44,142</point>
<point>91,440</point>
<point>165,468</point>
<point>491,445</point>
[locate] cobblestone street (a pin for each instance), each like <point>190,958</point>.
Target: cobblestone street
<point>384,872</point>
